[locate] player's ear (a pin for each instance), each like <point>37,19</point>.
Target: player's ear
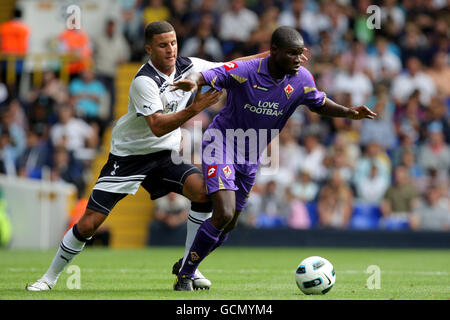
<point>148,49</point>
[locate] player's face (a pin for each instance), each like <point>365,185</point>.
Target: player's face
<point>288,59</point>
<point>163,51</point>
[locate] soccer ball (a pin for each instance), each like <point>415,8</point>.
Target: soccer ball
<point>315,275</point>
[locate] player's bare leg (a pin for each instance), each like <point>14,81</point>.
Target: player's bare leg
<point>194,189</point>
<point>71,245</point>
<point>208,236</point>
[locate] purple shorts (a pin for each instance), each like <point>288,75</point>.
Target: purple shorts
<point>220,175</point>
<point>229,177</point>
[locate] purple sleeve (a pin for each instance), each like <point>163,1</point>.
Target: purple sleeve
<point>312,97</point>
<point>220,78</point>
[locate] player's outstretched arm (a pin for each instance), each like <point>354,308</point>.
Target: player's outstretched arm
<point>161,124</point>
<point>264,54</point>
<point>332,109</point>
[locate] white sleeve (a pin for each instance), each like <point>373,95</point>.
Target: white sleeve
<point>201,65</point>
<point>144,96</point>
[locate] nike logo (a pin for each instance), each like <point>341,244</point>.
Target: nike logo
<point>61,256</point>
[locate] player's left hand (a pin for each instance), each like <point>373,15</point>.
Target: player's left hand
<point>185,85</point>
<point>361,112</point>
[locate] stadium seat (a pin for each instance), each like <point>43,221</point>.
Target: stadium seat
<point>365,217</point>
<point>269,221</point>
<point>395,223</point>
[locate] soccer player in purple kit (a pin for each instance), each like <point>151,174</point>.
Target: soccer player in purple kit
<point>261,95</point>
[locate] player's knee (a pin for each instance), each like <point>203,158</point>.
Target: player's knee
<point>200,197</point>
<point>225,215</point>
<point>88,224</point>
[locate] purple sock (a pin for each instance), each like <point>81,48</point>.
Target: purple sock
<point>206,239</point>
<point>222,238</point>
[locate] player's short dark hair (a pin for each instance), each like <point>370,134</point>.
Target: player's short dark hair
<point>284,37</point>
<point>157,27</point>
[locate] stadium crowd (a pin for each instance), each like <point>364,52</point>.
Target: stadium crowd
<point>391,172</point>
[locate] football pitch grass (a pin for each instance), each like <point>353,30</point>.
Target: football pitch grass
<point>236,274</point>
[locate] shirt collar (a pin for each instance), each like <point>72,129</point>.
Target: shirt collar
<point>164,76</point>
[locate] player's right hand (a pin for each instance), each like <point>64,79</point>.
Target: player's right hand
<point>185,85</point>
<point>205,100</point>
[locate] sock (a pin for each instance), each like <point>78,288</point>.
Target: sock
<point>71,245</point>
<point>195,219</point>
<point>206,238</point>
<point>222,238</point>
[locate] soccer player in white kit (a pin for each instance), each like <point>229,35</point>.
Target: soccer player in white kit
<point>143,144</point>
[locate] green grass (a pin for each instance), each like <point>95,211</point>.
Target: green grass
<point>236,273</point>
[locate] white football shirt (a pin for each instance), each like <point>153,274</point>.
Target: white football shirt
<point>149,93</point>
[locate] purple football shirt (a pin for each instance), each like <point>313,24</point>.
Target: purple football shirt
<point>258,103</point>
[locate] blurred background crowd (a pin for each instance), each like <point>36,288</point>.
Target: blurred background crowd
<point>391,172</point>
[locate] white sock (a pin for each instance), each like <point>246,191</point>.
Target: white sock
<point>195,219</point>
<point>70,246</point>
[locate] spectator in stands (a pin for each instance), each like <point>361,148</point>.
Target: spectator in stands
<point>7,155</point>
<point>170,213</point>
<point>400,197</point>
<point>74,134</point>
<point>35,157</point>
<point>206,7</point>
<point>204,44</point>
<point>76,46</point>
<point>409,115</point>
<point>304,188</point>
<point>272,207</point>
<point>435,153</point>
<point>440,73</point>
<point>374,156</point>
<point>380,129</point>
<point>353,81</point>
<point>90,97</point>
<point>297,213</point>
<point>66,168</point>
<point>110,50</point>
<point>312,158</point>
<point>435,113</point>
<point>432,213</point>
<point>236,25</point>
<point>16,133</point>
<point>14,41</point>
<point>415,171</point>
<point>413,43</point>
<point>155,10</point>
<point>52,92</point>
<point>259,40</point>
<point>413,79</point>
<point>335,203</point>
<point>371,188</point>
<point>383,64</point>
<point>392,18</point>
<point>179,15</point>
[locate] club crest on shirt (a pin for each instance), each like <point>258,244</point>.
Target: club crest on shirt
<point>230,65</point>
<point>211,171</point>
<point>171,107</point>
<point>288,90</point>
<point>227,171</point>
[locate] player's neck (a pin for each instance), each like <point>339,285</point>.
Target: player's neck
<point>274,72</point>
<point>164,70</point>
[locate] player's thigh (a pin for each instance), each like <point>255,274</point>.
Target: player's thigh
<point>170,176</point>
<point>194,188</point>
<point>224,207</point>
